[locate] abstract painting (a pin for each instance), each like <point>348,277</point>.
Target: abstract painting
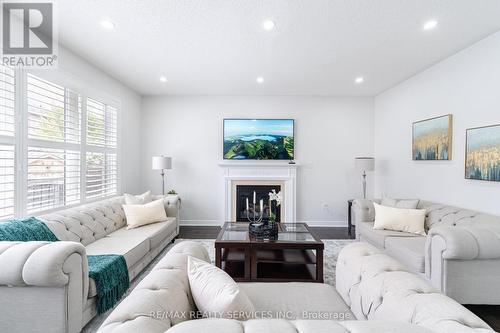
<point>482,155</point>
<point>432,138</point>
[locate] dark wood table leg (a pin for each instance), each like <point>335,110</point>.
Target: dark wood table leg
<point>319,265</point>
<point>248,264</point>
<point>252,263</point>
<point>218,256</point>
<point>349,217</point>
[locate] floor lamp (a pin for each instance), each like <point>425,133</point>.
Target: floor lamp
<point>162,163</point>
<point>364,164</point>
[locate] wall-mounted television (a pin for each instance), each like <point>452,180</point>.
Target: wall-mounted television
<point>259,139</point>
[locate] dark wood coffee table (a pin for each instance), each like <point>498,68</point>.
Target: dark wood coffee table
<point>297,254</point>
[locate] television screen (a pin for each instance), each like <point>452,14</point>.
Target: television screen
<point>258,139</point>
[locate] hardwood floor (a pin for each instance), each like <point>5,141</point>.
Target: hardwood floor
<point>489,313</point>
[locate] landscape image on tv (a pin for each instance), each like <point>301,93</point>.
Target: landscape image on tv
<point>258,139</point>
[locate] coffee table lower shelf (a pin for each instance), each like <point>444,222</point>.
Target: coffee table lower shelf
<point>276,265</point>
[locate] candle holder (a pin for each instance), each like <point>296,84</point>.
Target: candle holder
<point>256,217</point>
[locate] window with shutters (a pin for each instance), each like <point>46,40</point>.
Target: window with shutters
<point>101,162</point>
<point>54,133</point>
<point>58,146</point>
<point>7,142</point>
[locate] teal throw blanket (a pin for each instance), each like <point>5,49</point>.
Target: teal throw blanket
<point>109,271</point>
<point>25,230</point>
<point>110,274</point>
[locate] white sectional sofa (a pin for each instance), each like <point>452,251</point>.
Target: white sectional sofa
<point>374,293</point>
<point>45,287</point>
<point>460,254</point>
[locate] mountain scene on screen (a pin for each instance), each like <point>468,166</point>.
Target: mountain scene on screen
<point>258,139</point>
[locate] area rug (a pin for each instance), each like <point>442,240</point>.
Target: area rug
<point>330,255</point>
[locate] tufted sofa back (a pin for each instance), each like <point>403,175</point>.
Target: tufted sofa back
<point>90,222</point>
<point>87,223</point>
<point>377,287</point>
<point>443,215</point>
<point>437,215</point>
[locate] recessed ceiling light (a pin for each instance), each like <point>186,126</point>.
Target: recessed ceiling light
<point>163,79</point>
<point>268,25</point>
<point>429,25</point>
<point>260,79</point>
<point>107,24</point>
<point>359,79</point>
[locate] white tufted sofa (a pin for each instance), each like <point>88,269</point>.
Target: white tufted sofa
<point>45,287</point>
<point>460,254</point>
<point>374,294</point>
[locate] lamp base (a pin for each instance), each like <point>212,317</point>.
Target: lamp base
<point>364,185</point>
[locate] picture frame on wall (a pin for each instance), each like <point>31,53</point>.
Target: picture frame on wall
<point>432,139</point>
<point>482,153</point>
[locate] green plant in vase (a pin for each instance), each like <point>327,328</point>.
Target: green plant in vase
<point>273,196</point>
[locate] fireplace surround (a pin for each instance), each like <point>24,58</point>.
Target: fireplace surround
<point>260,173</point>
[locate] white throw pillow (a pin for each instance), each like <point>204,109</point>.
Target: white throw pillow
<point>400,203</point>
<point>399,219</point>
<point>138,215</point>
<point>215,292</point>
<point>140,199</point>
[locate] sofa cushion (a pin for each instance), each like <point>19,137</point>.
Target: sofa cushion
<point>409,251</point>
<point>131,248</point>
<point>399,219</point>
<point>400,203</point>
<point>156,232</point>
<point>215,292</point>
<point>297,300</point>
<point>139,215</point>
<point>378,237</point>
<point>139,199</point>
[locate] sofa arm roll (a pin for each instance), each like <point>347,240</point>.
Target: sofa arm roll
<point>464,243</point>
<point>43,264</point>
<point>362,211</point>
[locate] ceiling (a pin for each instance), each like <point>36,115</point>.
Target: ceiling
<point>318,47</point>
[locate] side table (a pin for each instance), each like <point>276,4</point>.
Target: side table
<point>349,216</point>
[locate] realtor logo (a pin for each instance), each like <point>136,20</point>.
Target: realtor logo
<point>28,34</point>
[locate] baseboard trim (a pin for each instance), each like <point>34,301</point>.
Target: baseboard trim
<point>331,224</point>
<point>200,223</point>
<point>217,223</point>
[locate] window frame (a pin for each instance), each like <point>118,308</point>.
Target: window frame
<point>21,141</point>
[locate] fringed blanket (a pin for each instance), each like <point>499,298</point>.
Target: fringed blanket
<point>110,274</point>
<point>109,271</point>
<point>30,229</point>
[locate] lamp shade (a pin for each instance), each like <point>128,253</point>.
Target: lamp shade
<point>162,162</point>
<point>365,163</point>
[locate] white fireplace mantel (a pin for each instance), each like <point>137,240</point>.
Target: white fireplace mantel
<point>279,171</point>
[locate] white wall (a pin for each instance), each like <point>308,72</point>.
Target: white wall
<point>466,85</point>
<point>330,132</point>
<point>79,73</point>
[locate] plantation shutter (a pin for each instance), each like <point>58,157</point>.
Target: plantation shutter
<point>54,144</point>
<point>7,131</point>
<point>101,157</point>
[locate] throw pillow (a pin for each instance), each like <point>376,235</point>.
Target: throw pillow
<point>399,219</point>
<point>400,203</point>
<point>138,215</point>
<point>140,199</point>
<point>215,292</point>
